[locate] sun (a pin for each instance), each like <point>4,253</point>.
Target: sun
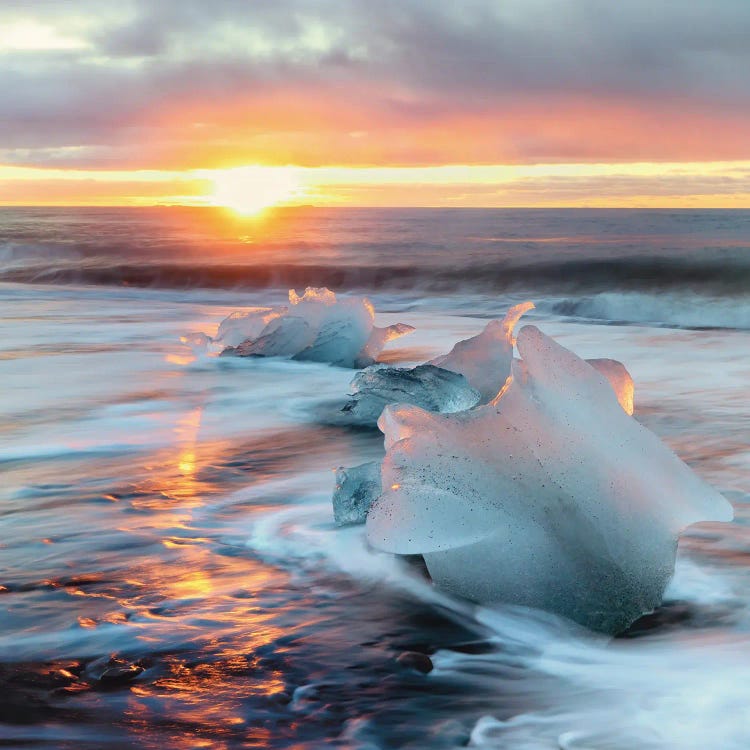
<point>250,190</point>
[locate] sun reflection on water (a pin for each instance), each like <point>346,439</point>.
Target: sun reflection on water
<point>207,601</point>
<point>169,589</point>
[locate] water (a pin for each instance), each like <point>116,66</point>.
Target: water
<point>168,511</point>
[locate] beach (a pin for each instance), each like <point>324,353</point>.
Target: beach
<point>166,512</point>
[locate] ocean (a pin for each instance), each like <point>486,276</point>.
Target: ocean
<point>170,573</point>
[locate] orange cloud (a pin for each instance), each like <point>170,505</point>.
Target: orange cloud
<point>314,128</point>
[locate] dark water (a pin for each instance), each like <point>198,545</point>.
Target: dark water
<point>170,572</point>
<point>427,249</point>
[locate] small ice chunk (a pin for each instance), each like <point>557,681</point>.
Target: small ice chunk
<point>550,496</point>
<point>485,359</point>
<point>427,386</point>
<point>197,341</point>
<point>355,491</point>
<point>315,326</point>
<point>620,380</point>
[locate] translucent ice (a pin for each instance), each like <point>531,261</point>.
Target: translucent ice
<point>427,386</point>
<point>379,338</point>
<point>484,360</point>
<point>549,496</point>
<point>249,324</point>
<point>620,380</point>
<point>316,326</point>
<point>355,491</point>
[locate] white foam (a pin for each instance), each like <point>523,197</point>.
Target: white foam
<point>683,310</point>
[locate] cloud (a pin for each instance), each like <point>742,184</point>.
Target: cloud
<point>194,83</point>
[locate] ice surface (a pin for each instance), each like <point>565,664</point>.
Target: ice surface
<point>426,386</point>
<point>355,491</point>
<point>249,324</point>
<point>485,360</point>
<point>197,341</point>
<point>284,336</point>
<point>379,338</point>
<point>620,380</point>
<point>550,496</point>
<point>316,326</point>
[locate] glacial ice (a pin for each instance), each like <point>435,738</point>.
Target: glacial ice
<point>485,359</point>
<point>315,326</point>
<point>249,324</point>
<point>355,491</point>
<point>620,380</point>
<point>378,339</point>
<point>549,496</point>
<point>426,386</point>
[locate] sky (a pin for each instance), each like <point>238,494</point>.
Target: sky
<point>375,102</point>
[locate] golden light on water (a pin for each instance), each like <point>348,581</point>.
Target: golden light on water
<point>250,190</point>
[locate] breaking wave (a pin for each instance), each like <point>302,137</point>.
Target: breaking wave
<point>686,310</point>
<point>593,276</point>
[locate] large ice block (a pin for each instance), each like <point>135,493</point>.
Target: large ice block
<point>550,496</point>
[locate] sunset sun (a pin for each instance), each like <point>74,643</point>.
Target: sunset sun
<point>250,190</point>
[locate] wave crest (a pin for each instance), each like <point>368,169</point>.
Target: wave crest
<point>686,310</point>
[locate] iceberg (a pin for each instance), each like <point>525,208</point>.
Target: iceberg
<point>485,359</point>
<point>355,491</point>
<point>426,386</point>
<point>549,496</point>
<point>315,327</point>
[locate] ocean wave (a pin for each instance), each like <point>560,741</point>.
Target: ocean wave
<point>679,310</point>
<point>24,254</point>
<point>709,277</point>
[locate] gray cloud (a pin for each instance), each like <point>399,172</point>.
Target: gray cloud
<point>401,63</point>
